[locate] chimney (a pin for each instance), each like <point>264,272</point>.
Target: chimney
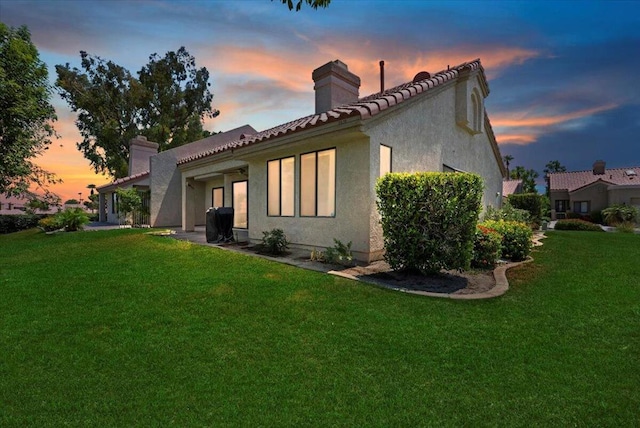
<point>140,150</point>
<point>381,76</point>
<point>335,85</point>
<point>598,167</point>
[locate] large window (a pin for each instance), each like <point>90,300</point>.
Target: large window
<point>318,184</point>
<point>280,187</point>
<point>581,207</point>
<point>385,159</point>
<point>561,205</point>
<point>240,205</point>
<point>217,197</point>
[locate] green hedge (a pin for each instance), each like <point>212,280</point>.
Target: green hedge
<point>487,248</point>
<point>429,219</point>
<point>577,224</point>
<point>16,222</point>
<point>516,238</point>
<point>530,202</point>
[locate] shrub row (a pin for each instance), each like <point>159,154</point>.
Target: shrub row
<point>530,202</point>
<point>429,219</point>
<point>516,238</point>
<point>17,222</point>
<point>487,248</point>
<point>577,224</point>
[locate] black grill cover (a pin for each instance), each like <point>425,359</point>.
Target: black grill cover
<point>225,227</point>
<point>213,225</point>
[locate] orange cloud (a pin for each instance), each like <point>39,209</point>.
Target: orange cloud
<point>519,119</point>
<point>516,139</point>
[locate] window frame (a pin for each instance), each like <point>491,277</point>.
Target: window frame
<point>293,187</point>
<point>335,183</point>
<point>213,199</point>
<point>233,202</point>
<point>579,205</point>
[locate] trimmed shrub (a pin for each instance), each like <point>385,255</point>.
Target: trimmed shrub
<point>17,222</point>
<point>577,224</point>
<point>619,214</point>
<point>487,247</point>
<point>507,212</point>
<point>429,219</point>
<point>274,242</point>
<point>516,238</point>
<point>530,202</point>
<point>49,224</point>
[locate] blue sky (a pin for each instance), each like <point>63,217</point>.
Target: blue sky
<point>563,75</point>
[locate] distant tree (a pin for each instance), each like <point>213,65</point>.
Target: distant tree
<point>166,103</point>
<point>26,113</point>
<point>92,202</point>
<point>315,4</point>
<point>551,167</point>
<point>92,187</point>
<point>528,177</point>
<point>71,202</point>
<point>507,159</point>
<point>42,202</point>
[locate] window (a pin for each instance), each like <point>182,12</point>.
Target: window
<point>318,184</point>
<point>114,202</point>
<point>385,159</point>
<point>240,205</point>
<point>561,206</point>
<point>280,188</point>
<point>217,197</point>
<point>581,207</point>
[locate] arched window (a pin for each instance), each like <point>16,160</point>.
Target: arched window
<point>476,111</point>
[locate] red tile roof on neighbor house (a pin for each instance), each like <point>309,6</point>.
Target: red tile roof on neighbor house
<point>364,108</point>
<point>575,180</point>
<point>509,187</point>
<point>124,180</point>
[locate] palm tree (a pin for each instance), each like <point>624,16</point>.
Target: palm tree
<point>507,159</point>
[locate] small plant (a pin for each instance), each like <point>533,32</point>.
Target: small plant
<point>577,224</point>
<point>516,238</point>
<point>617,214</point>
<point>72,219</point>
<point>274,242</point>
<point>338,254</point>
<point>487,247</point>
<point>129,203</point>
<point>625,227</point>
<point>49,224</point>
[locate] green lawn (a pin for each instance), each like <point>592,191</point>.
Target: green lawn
<point>119,328</point>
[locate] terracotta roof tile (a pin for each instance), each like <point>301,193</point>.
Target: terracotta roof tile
<point>364,108</point>
<point>574,180</point>
<point>509,187</point>
<point>124,180</point>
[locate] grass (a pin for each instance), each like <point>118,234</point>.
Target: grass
<point>119,328</point>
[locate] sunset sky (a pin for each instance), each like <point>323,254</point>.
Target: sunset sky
<point>564,76</point>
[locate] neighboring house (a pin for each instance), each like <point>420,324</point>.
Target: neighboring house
<point>12,205</point>
<point>315,177</point>
<point>582,192</point>
<point>511,187</point>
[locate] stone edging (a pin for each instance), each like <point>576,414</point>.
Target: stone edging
<point>499,274</point>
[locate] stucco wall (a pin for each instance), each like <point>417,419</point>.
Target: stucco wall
<point>627,195</point>
<point>352,206</point>
<point>596,194</point>
<point>425,137</point>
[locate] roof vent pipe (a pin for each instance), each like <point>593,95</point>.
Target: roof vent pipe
<point>381,76</point>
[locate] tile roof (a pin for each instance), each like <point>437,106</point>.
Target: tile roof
<point>364,108</point>
<point>124,180</point>
<point>509,187</point>
<point>574,180</point>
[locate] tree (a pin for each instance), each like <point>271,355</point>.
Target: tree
<point>42,203</point>
<point>315,4</point>
<point>166,103</point>
<point>551,167</point>
<point>528,177</point>
<point>129,202</point>
<point>25,112</point>
<point>507,159</point>
<point>71,202</point>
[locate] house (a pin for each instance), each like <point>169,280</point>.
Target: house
<point>315,177</point>
<point>511,187</point>
<point>582,192</point>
